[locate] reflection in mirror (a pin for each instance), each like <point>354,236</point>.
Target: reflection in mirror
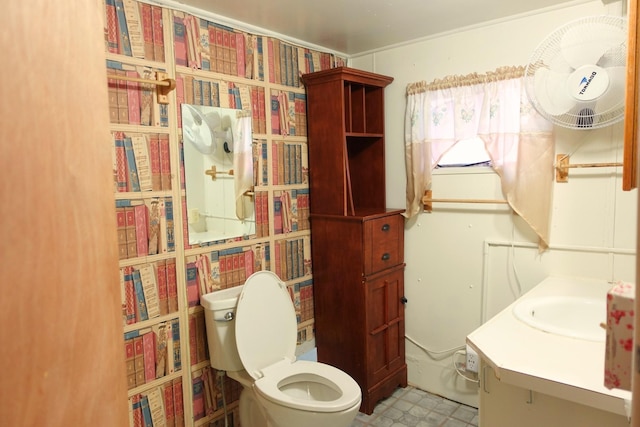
<point>218,165</point>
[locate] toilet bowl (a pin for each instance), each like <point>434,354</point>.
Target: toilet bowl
<point>308,394</point>
<point>252,334</point>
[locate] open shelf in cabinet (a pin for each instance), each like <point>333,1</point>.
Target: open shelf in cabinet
<point>363,108</point>
<point>346,140</point>
<point>365,173</point>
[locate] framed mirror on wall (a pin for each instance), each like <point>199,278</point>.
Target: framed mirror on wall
<point>218,163</point>
<point>631,125</point>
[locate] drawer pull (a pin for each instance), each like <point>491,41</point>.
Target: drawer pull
<point>386,227</point>
<point>386,256</point>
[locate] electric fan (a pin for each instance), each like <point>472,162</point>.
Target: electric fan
<point>576,77</point>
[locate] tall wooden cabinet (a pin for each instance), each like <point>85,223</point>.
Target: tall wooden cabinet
<point>357,243</point>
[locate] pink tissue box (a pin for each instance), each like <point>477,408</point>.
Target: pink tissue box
<point>619,344</point>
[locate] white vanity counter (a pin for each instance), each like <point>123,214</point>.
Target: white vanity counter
<point>565,368</point>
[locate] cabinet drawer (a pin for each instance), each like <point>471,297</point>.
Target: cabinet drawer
<point>383,243</point>
<point>384,229</point>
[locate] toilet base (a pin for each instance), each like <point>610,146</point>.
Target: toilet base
<point>251,413</point>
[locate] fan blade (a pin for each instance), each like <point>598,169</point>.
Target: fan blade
<point>586,44</point>
<point>551,92</point>
<point>614,95</point>
<point>614,57</point>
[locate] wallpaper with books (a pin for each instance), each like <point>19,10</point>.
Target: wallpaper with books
<point>162,277</point>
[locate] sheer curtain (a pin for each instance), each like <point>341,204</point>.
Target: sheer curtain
<point>493,107</point>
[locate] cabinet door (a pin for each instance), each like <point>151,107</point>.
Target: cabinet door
<point>385,324</point>
<point>506,405</point>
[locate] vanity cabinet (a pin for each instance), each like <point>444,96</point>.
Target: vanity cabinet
<point>530,378</point>
<point>357,243</point>
<point>506,405</point>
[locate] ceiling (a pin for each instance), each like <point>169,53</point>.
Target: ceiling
<point>357,26</point>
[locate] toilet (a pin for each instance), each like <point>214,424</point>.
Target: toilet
<point>252,332</point>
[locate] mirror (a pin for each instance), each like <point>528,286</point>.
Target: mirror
<point>218,168</point>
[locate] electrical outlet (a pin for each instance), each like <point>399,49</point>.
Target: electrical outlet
<point>472,360</point>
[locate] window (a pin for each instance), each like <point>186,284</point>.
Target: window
<point>466,152</point>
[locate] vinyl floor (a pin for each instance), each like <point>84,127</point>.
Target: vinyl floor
<point>412,407</point>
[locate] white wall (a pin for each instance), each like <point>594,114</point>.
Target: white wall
<point>467,262</point>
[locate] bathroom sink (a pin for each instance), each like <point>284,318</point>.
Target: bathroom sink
<point>570,316</point>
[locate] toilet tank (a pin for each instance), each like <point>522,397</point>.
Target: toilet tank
<point>219,315</point>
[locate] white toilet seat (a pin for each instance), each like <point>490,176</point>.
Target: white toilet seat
<point>271,386</point>
<point>265,332</point>
<point>266,329</point>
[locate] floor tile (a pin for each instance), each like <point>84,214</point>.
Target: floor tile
<point>412,407</point>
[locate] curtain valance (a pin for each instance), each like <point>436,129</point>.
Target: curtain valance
<point>493,107</point>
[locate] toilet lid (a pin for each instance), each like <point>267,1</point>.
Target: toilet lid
<point>266,326</point>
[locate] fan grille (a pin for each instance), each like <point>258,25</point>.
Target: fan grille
<point>598,41</point>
